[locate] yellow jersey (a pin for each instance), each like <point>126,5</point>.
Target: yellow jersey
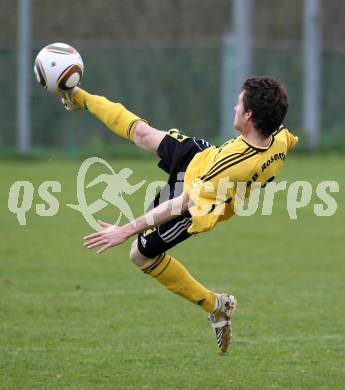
<point>212,175</point>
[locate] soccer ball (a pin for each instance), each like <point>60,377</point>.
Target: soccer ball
<point>58,67</point>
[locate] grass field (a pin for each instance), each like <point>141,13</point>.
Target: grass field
<point>72,320</point>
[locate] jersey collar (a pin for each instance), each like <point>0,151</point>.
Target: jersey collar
<point>259,148</point>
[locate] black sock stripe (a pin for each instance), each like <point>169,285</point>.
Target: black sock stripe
<point>225,166</point>
<point>130,128</point>
<point>154,265</point>
<point>148,269</point>
<point>166,266</point>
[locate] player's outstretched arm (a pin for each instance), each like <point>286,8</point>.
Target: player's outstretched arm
<point>116,235</point>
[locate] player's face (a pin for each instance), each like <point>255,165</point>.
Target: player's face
<point>241,117</point>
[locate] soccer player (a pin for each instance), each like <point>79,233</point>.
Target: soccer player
<point>202,185</point>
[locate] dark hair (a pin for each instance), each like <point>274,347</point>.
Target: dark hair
<point>268,102</point>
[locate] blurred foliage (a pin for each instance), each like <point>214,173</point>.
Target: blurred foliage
<point>162,60</point>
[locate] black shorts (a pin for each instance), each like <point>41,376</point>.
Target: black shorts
<point>175,152</point>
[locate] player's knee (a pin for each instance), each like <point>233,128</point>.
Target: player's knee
<point>137,258</point>
<point>147,138</point>
<point>142,131</point>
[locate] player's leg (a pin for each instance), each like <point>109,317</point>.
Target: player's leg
<point>176,278</point>
<point>117,118</point>
<point>147,137</point>
<point>126,124</point>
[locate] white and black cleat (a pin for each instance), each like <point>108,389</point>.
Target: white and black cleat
<point>220,320</point>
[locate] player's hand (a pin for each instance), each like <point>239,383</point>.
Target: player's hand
<point>110,236</point>
<point>66,99</point>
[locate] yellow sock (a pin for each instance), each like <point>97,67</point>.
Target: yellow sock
<point>175,277</point>
<point>114,115</point>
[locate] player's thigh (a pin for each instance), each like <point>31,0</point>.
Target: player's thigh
<point>147,137</point>
<point>157,240</point>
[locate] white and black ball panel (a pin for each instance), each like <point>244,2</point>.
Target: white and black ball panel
<point>39,73</point>
<point>58,67</point>
<point>70,77</point>
<point>61,48</point>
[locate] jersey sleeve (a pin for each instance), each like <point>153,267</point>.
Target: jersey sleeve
<point>291,140</point>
